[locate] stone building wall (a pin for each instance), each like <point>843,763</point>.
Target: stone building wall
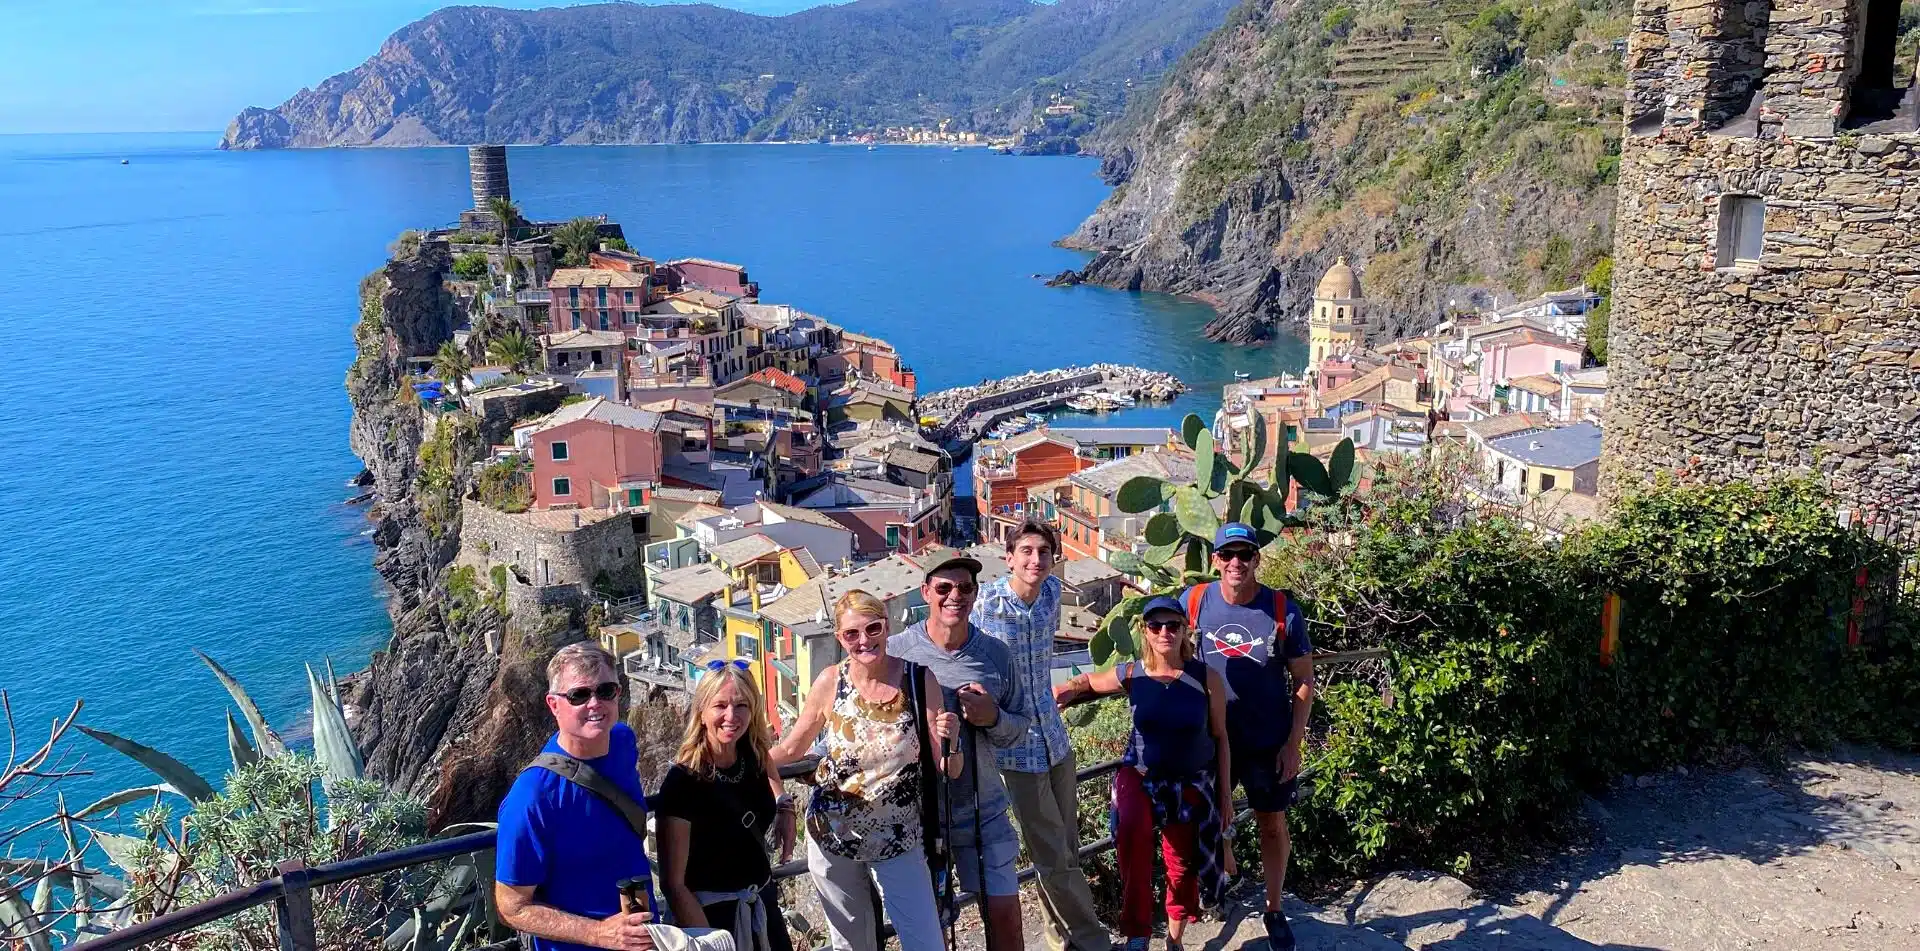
<point>1808,360</point>
<point>602,542</point>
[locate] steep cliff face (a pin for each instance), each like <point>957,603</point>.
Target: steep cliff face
<point>433,676</point>
<point>616,73</point>
<point>1455,152</point>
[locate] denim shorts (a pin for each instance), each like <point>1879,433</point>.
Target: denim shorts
<point>1000,856</point>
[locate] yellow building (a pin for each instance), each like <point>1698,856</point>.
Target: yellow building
<point>1337,324</point>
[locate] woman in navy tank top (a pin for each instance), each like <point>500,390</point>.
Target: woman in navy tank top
<point>1170,778</point>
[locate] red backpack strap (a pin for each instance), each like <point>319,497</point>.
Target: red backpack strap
<point>1282,601</point>
<point>1196,595</point>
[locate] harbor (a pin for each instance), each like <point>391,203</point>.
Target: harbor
<point>958,417</point>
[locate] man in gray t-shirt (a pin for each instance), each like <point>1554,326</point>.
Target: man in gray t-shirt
<point>976,675</point>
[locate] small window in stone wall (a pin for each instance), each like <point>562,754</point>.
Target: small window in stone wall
<point>559,451</point>
<point>1742,231</point>
<point>563,486</point>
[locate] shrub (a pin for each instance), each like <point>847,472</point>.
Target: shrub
<point>471,265</point>
<point>506,486</point>
<point>1495,707</point>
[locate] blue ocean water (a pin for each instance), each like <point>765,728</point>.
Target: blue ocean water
<point>178,332</point>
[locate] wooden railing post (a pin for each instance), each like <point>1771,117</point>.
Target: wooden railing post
<point>294,908</point>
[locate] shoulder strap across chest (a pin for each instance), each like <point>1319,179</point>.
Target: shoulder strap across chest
<point>584,776</point>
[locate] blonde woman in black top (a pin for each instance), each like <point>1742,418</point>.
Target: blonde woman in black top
<point>719,800</point>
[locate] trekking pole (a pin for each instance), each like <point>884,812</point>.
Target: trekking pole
<point>979,844</point>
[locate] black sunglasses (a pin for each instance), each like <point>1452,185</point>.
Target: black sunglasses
<point>943,588</point>
<point>1174,626</point>
<point>579,695</point>
<point>1237,554</point>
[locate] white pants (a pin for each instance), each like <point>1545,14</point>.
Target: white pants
<point>906,891</point>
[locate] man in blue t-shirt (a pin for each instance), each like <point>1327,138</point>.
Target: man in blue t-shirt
<point>562,849</point>
<point>1257,638</point>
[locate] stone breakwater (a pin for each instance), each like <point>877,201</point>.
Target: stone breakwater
<point>954,405</point>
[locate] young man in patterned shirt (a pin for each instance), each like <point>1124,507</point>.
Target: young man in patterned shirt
<point>1022,610</point>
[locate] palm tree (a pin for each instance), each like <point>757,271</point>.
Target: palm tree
<point>450,364</point>
<point>513,350</point>
<point>507,214</point>
<point>577,238</point>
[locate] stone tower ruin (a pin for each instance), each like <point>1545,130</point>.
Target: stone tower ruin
<point>1767,251</point>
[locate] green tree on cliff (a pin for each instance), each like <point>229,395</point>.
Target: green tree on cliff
<point>514,350</point>
<point>577,238</point>
<point>1600,281</point>
<point>506,215</point>
<point>451,366</point>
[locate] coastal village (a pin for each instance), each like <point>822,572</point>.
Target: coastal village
<point>711,470</point>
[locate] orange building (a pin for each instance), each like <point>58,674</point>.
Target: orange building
<point>1005,470</point>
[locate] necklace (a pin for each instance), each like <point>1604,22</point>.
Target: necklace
<point>734,773</point>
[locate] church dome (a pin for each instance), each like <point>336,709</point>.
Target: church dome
<point>1339,283</point>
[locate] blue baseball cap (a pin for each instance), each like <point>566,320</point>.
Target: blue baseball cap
<point>1235,533</point>
<point>1162,603</point>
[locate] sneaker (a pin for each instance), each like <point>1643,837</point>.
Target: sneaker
<point>1279,933</point>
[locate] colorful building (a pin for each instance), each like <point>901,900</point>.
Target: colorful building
<point>595,454</point>
<point>1338,322</point>
<point>591,298</point>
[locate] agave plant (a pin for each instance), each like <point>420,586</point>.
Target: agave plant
<point>1179,536</point>
<point>267,811</point>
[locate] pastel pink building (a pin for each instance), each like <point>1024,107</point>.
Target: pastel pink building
<point>596,454</point>
<point>713,276</point>
<point>1521,354</point>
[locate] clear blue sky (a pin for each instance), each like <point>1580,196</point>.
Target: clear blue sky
<point>190,65</point>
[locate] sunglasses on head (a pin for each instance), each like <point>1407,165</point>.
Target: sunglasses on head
<point>580,695</point>
<point>874,628</point>
<point>719,665</point>
<point>943,588</point>
<point>1176,625</point>
<point>1236,554</point>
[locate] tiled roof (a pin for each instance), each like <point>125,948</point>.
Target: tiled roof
<point>1115,436</point>
<point>704,298</point>
<point>801,604</point>
<point>1085,571</point>
<point>744,549</point>
<point>780,379</point>
<point>1108,477</point>
<point>1539,384</point>
<point>914,461</point>
<point>595,277</point>
<point>1563,448</point>
<point>708,262</point>
<point>600,410</point>
<point>583,339</point>
<point>1498,426</point>
<point>691,584</point>
<point>795,513</point>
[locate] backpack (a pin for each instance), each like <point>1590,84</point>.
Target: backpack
<point>1283,602</point>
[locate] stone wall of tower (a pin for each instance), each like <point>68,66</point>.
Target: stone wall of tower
<point>1809,360</point>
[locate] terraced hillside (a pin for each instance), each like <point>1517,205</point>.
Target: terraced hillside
<point>1454,150</point>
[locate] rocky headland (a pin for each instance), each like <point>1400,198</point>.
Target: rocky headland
<point>1455,152</point>
<point>631,73</point>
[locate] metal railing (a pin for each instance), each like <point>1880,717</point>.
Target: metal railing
<point>291,890</point>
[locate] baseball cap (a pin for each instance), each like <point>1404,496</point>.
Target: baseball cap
<point>956,560</point>
<point>1162,603</point>
<point>1235,533</point>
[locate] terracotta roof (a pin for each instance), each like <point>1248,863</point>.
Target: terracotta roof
<point>600,410</point>
<point>701,510</point>
<point>802,603</point>
<point>675,494</point>
<point>1358,386</point>
<point>794,513</point>
<point>595,277</point>
<point>780,379</point>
